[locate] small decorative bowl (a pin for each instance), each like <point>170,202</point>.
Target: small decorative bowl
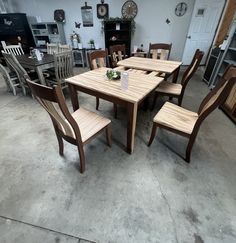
<point>113,74</point>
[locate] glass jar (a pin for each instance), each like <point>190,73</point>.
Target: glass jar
<point>124,80</point>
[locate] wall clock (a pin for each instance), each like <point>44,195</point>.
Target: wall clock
<point>181,9</point>
<point>102,10</point>
<point>59,15</point>
<point>129,9</point>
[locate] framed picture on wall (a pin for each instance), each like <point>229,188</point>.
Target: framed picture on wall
<point>87,15</point>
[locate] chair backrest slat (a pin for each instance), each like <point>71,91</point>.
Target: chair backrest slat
<point>101,62</point>
<point>159,51</point>
<point>62,122</point>
<point>191,69</point>
<point>98,59</point>
<point>219,93</point>
<point>118,53</point>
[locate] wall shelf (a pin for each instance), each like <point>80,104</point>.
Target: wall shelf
<point>51,32</point>
<point>119,29</point>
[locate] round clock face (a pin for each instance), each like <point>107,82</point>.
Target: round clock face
<point>102,10</point>
<point>59,15</point>
<point>129,9</point>
<point>181,9</point>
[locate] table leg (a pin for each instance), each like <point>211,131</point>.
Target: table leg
<point>131,126</point>
<point>74,96</point>
<point>175,75</point>
<point>86,56</point>
<point>39,71</point>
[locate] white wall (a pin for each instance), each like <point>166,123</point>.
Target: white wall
<point>150,20</point>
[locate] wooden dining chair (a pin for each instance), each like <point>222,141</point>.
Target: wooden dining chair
<point>13,49</point>
<point>10,79</point>
<point>52,48</point>
<point>78,128</point>
<point>187,123</point>
<point>63,66</point>
<point>159,51</point>
<point>117,53</point>
<point>18,69</point>
<point>177,90</point>
<point>97,59</point>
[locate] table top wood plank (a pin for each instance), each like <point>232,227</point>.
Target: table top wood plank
<point>149,64</point>
<point>139,84</point>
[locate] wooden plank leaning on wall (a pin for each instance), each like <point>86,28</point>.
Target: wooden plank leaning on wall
<point>226,23</point>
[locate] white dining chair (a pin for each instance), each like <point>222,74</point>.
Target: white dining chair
<point>13,49</point>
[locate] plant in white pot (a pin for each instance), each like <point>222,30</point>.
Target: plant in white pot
<point>75,40</point>
<point>91,43</point>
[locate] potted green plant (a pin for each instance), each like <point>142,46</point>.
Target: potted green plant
<point>91,43</point>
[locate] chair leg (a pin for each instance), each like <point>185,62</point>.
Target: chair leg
<point>146,103</point>
<point>180,100</point>
<point>23,90</point>
<point>108,135</point>
<point>154,101</point>
<point>59,138</point>
<point>97,103</point>
<point>14,90</point>
<point>153,133</point>
<point>189,148</point>
<point>115,110</point>
<point>82,158</point>
<point>60,143</point>
<point>10,86</point>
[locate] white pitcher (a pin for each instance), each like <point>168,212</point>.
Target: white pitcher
<point>38,55</point>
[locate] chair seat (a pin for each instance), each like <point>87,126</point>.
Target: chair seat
<point>89,123</point>
<point>177,118</point>
<point>169,88</point>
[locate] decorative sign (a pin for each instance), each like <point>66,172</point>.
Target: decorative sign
<point>181,9</point>
<point>87,15</point>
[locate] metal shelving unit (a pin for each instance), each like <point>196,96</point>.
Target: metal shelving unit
<point>227,56</point>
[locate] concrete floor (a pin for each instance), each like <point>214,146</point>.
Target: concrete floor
<point>149,196</point>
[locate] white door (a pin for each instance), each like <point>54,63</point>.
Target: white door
<point>205,17</point>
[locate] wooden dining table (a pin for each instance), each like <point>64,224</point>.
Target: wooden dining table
<point>32,63</point>
<point>149,64</point>
<point>96,84</point>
